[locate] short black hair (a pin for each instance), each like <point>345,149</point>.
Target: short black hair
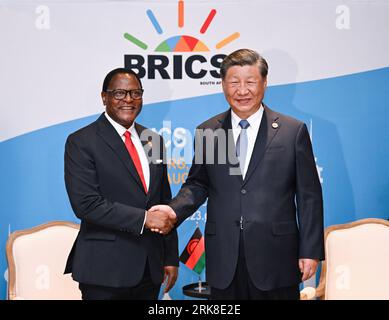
<point>243,57</point>
<point>112,73</point>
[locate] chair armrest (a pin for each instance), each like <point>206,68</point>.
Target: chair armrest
<point>308,293</point>
<point>320,290</point>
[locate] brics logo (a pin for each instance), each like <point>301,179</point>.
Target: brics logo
<point>195,66</point>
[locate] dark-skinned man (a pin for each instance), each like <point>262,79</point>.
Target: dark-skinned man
<point>114,172</point>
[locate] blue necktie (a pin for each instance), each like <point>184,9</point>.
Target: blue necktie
<point>241,145</point>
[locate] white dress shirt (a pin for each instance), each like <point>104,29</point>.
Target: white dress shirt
<point>139,148</point>
<point>252,132</point>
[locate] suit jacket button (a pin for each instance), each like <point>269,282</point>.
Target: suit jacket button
<point>243,191</point>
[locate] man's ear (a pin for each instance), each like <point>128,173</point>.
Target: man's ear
<point>265,83</point>
<point>104,97</point>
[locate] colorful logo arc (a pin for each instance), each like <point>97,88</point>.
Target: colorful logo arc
<point>181,43</point>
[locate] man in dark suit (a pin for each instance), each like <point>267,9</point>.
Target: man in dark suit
<point>264,229</point>
<point>114,172</point>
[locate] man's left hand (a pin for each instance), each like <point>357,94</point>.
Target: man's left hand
<point>170,277</point>
<point>308,268</point>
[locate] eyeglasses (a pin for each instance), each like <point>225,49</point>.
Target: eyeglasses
<point>121,94</point>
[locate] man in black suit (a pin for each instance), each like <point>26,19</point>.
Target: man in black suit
<point>114,172</point>
<point>264,229</point>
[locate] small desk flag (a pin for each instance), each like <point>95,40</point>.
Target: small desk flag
<point>193,256</point>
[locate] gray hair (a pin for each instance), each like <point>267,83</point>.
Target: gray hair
<point>244,57</point>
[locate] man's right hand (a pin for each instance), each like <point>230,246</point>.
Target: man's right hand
<point>160,218</point>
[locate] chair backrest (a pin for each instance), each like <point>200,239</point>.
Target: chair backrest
<point>36,262</point>
<point>357,260</point>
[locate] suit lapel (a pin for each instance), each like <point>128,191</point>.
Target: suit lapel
<point>266,133</point>
<point>108,133</point>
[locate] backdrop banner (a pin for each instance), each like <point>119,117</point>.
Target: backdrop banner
<point>328,66</point>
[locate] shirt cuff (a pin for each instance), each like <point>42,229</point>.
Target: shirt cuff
<point>144,221</point>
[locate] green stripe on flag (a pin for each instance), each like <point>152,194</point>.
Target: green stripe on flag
<point>199,267</point>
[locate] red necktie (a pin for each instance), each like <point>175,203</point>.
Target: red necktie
<point>135,157</point>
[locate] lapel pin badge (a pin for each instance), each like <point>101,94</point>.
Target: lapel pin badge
<point>274,125</point>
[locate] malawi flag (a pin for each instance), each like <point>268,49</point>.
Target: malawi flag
<point>193,255</point>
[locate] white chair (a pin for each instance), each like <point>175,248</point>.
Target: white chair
<point>36,262</point>
<point>357,262</point>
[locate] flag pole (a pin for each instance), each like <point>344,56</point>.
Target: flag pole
<point>200,287</point>
<point>193,256</point>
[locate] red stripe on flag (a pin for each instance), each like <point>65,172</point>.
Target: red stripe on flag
<point>196,254</point>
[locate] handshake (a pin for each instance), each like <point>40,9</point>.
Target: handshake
<point>160,218</point>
